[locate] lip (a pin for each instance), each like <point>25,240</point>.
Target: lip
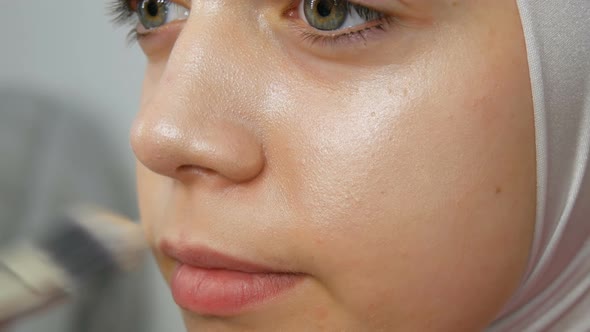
<point>211,283</point>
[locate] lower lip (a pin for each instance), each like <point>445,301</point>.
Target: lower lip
<point>218,292</point>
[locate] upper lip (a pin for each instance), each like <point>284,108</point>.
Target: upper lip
<point>207,258</point>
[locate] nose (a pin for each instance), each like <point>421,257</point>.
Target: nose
<point>196,123</point>
<point>187,149</point>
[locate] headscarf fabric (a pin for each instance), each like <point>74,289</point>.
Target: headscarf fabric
<point>555,292</point>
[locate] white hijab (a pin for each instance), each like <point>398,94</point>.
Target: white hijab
<point>555,293</point>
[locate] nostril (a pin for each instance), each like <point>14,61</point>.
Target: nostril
<point>194,169</point>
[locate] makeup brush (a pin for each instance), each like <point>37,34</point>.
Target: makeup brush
<point>37,273</point>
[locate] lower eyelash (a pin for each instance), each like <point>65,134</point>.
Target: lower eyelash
<point>360,35</point>
<point>378,23</point>
<point>132,37</point>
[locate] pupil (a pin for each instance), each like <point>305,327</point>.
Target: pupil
<point>152,8</point>
<point>325,8</point>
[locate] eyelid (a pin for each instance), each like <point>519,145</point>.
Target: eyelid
<point>374,5</point>
<point>133,4</point>
<point>384,6</point>
<point>184,3</point>
<point>419,12</point>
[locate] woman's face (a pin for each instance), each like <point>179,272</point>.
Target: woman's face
<point>379,177</point>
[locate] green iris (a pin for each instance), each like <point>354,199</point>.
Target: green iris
<point>326,15</point>
<point>153,13</point>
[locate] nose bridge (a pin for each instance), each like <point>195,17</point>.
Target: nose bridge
<point>216,59</point>
<point>200,114</point>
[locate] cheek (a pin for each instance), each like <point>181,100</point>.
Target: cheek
<point>429,194</point>
<point>155,198</point>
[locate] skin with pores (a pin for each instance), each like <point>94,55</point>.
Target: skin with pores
<point>395,174</point>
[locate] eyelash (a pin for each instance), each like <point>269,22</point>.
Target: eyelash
<point>123,13</point>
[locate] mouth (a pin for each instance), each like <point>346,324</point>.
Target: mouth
<point>211,283</point>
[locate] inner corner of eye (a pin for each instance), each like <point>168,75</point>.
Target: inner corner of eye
<point>131,4</point>
<point>291,11</point>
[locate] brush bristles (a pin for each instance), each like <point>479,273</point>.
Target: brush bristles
<point>88,243</point>
<point>77,251</point>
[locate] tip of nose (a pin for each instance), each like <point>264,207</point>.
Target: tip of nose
<point>234,155</point>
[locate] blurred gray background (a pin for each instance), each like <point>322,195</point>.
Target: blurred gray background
<point>69,89</point>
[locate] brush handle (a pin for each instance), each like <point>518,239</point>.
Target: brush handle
<point>34,275</point>
<point>28,281</point>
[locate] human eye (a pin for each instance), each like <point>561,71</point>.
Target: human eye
<point>147,16</point>
<point>336,21</point>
